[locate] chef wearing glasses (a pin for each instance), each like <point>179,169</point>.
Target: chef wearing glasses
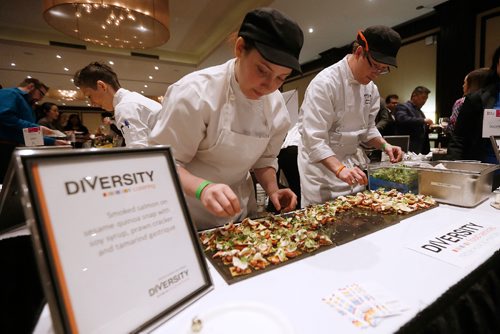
<point>338,114</point>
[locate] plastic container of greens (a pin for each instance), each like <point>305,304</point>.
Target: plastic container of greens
<point>400,177</point>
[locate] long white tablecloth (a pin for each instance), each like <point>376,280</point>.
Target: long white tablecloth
<point>383,258</point>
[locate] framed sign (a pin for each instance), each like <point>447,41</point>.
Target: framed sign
<point>116,247</point>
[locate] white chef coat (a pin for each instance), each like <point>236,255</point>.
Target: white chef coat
<point>292,137</point>
<point>218,134</point>
<point>135,116</point>
<point>337,114</point>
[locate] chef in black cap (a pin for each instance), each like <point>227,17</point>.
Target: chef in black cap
<point>338,114</point>
<point>226,120</point>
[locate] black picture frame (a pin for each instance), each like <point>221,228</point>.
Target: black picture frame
<point>52,273</point>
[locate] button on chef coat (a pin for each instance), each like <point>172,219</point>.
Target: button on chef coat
<point>135,116</point>
<point>338,113</point>
<point>218,134</point>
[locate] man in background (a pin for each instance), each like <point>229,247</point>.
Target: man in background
<point>385,120</point>
<point>135,114</point>
<point>411,120</point>
<point>16,113</point>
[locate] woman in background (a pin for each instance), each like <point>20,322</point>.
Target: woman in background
<point>467,142</point>
<point>75,124</point>
<point>50,114</point>
<point>472,83</point>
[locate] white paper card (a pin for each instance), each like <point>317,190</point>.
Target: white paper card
<point>461,243</point>
<point>491,123</point>
<point>33,136</point>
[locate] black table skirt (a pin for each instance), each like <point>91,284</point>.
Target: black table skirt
<point>470,306</point>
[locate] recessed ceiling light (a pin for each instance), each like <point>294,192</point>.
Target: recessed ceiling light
<point>28,76</point>
<point>311,30</point>
<point>64,104</point>
<point>142,92</point>
<point>151,77</point>
<point>58,56</point>
<point>12,64</point>
<point>157,68</point>
<point>111,62</point>
<point>66,69</point>
<point>145,86</point>
<point>72,80</point>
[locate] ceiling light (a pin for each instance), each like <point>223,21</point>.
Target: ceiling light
<point>91,20</point>
<point>311,30</point>
<point>157,68</point>
<point>28,76</point>
<point>66,69</point>
<point>58,57</point>
<point>151,77</point>
<point>13,64</point>
<point>142,92</point>
<point>111,62</point>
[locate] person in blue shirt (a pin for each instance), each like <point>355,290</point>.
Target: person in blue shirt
<point>16,113</point>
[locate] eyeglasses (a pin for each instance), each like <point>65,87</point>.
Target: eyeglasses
<point>380,69</point>
<point>42,93</point>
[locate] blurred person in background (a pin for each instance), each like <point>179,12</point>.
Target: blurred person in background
<point>75,124</point>
<point>467,142</point>
<point>411,120</point>
<point>385,120</point>
<point>472,83</point>
<point>50,114</point>
<point>16,114</point>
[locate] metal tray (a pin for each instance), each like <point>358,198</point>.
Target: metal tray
<point>462,183</point>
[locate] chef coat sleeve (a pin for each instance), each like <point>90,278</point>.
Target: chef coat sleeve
<point>318,114</point>
<point>281,124</point>
<point>181,122</point>
<point>130,112</point>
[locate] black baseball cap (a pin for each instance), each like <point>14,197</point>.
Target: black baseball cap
<point>381,42</point>
<point>277,37</point>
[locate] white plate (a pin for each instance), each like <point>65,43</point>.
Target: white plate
<point>243,318</point>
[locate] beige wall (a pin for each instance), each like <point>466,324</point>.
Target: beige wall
<point>300,85</point>
<point>492,38</point>
<point>416,67</point>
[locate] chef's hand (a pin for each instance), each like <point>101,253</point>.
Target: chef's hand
<point>220,200</point>
<point>394,152</point>
<point>353,176</point>
<point>284,200</point>
<point>59,142</point>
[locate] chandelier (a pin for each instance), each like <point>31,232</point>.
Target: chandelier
<point>130,24</point>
